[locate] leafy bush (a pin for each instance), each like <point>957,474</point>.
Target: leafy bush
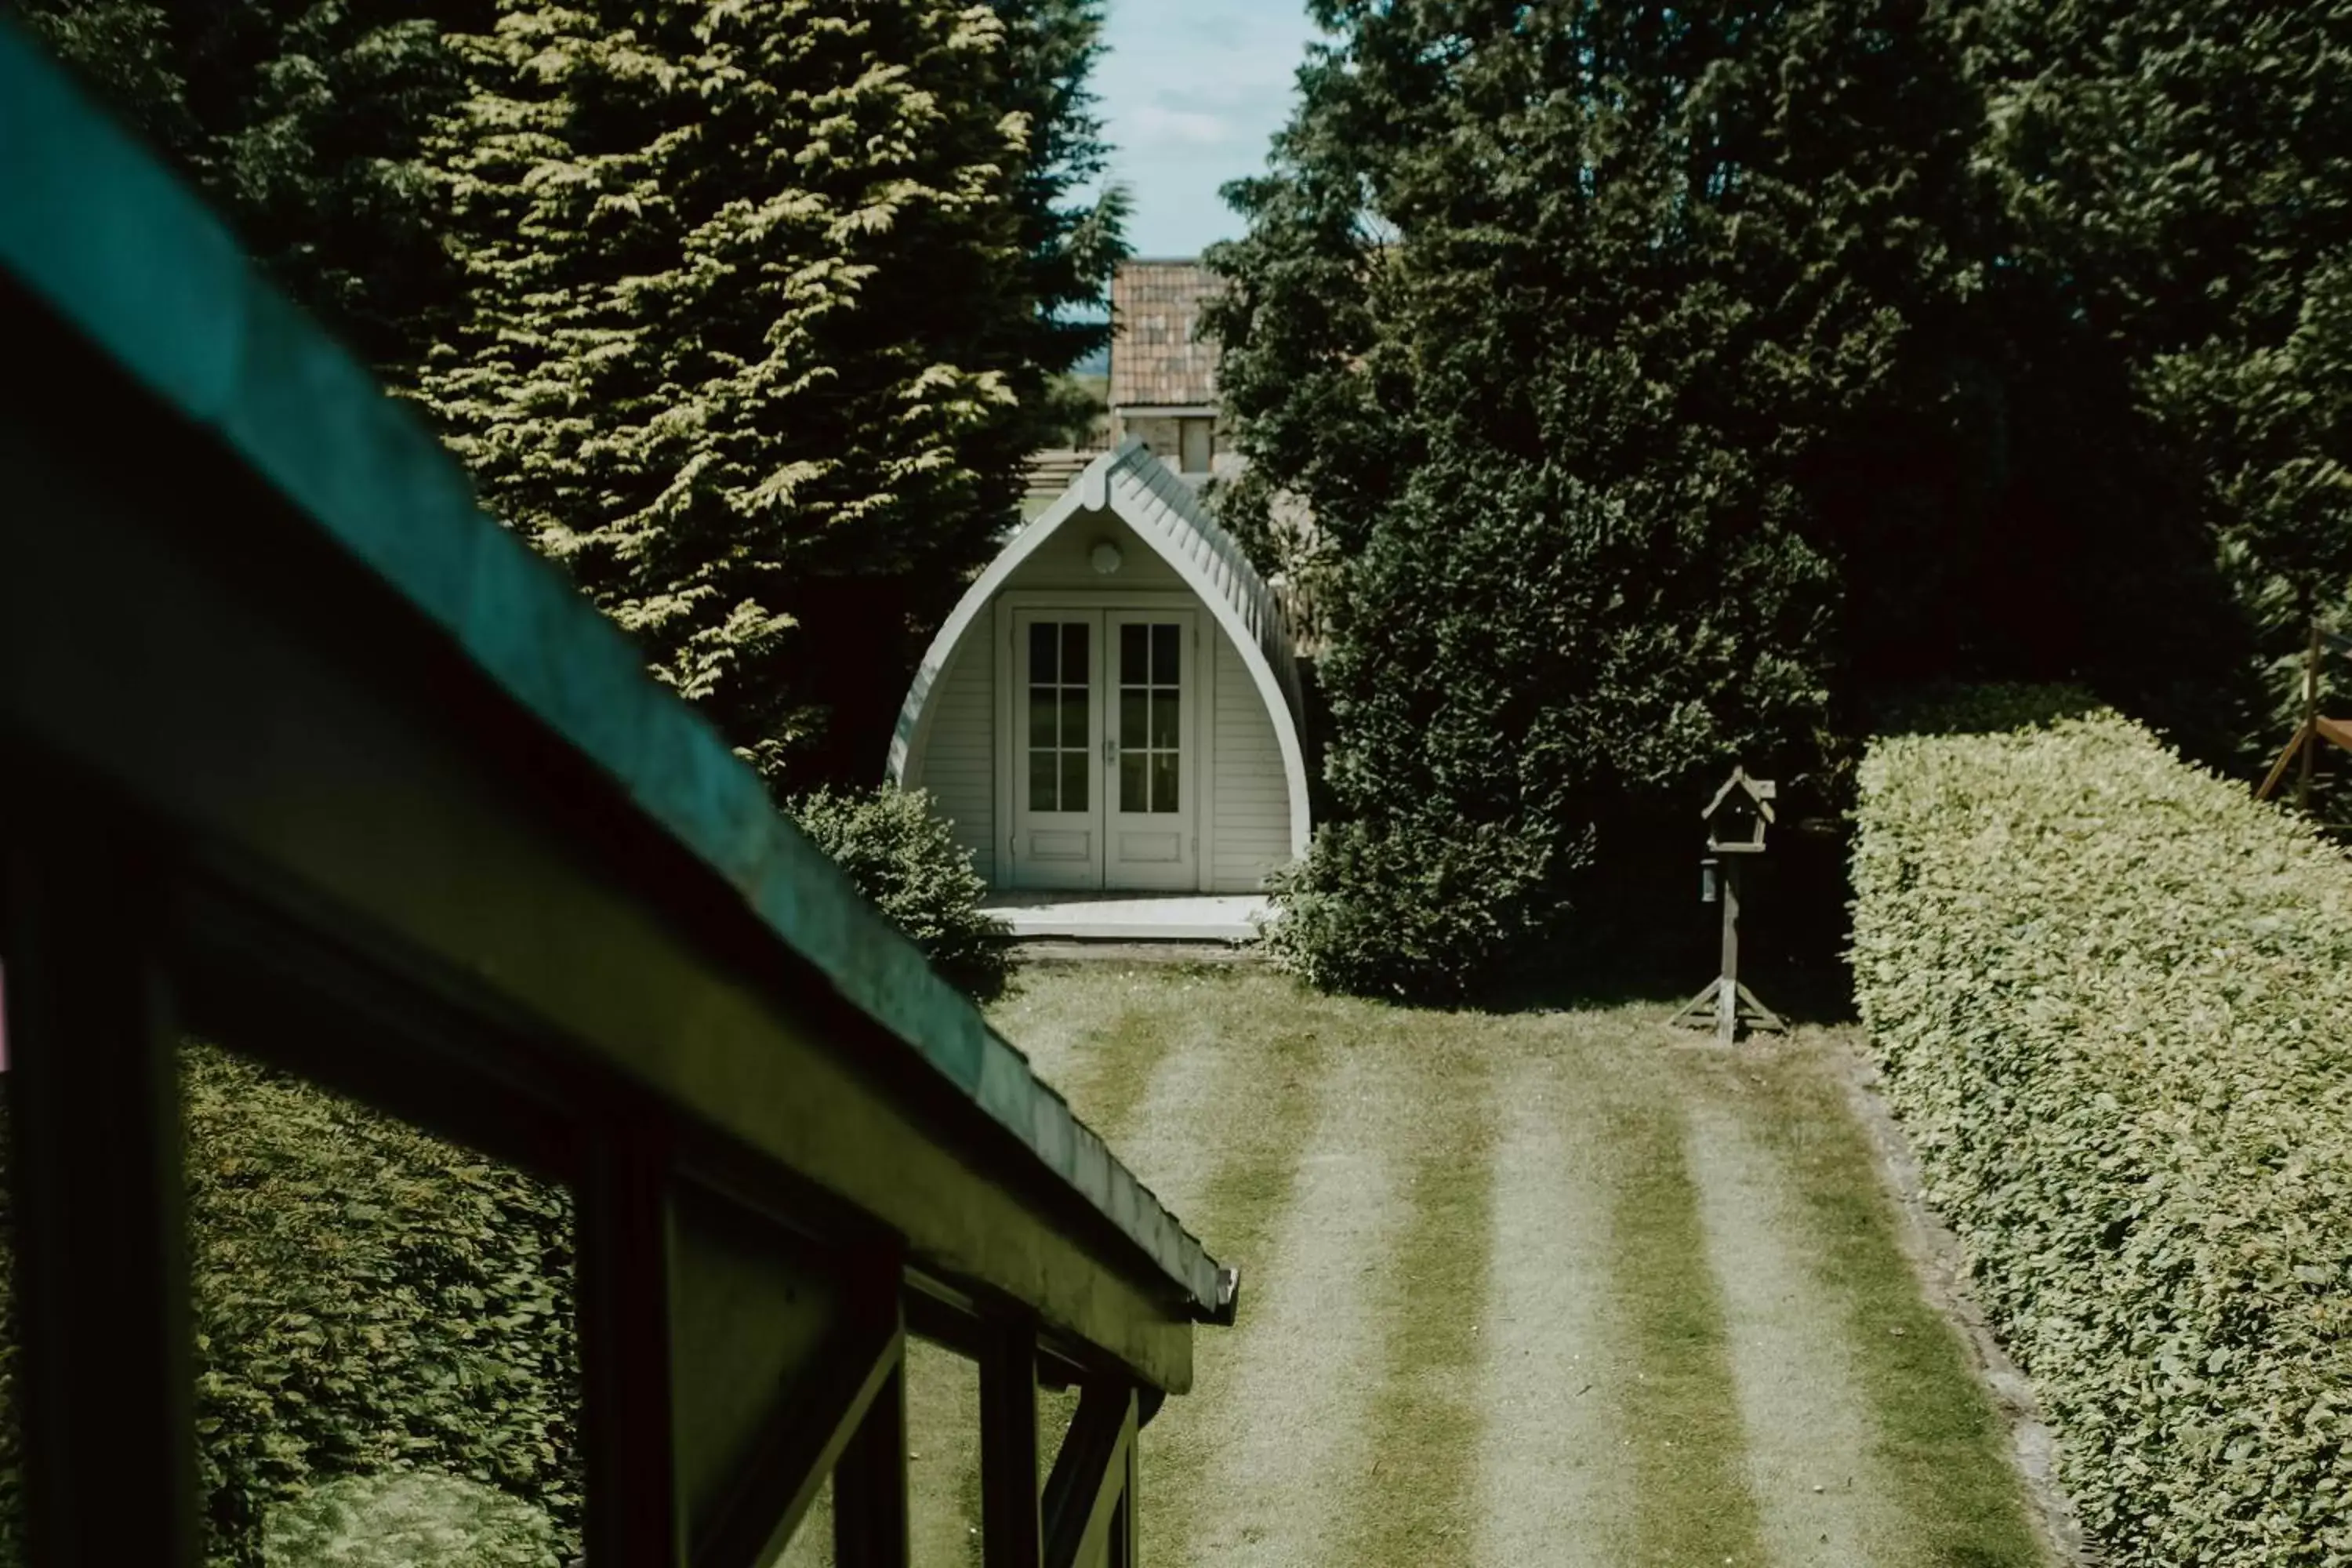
<point>902,856</point>
<point>401,1519</point>
<point>1430,911</point>
<point>2109,992</point>
<point>368,1297</point>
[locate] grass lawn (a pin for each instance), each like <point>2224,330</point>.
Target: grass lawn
<point>1536,1288</point>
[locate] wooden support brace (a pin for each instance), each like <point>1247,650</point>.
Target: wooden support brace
<point>847,1420</point>
<point>2285,759</point>
<point>870,1524</point>
<point>1091,1481</point>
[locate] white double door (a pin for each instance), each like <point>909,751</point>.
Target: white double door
<point>1104,776</point>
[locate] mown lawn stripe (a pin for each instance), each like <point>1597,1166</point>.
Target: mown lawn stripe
<point>1554,1476</point>
<point>1681,1416</point>
<point>1813,1463</point>
<point>1417,1500</point>
<point>1258,1468</point>
<point>1943,1446</point>
<point>1218,1128</point>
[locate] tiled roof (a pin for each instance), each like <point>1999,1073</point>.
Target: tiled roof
<point>1155,307</point>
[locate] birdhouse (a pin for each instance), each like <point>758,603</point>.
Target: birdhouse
<point>1737,815</point>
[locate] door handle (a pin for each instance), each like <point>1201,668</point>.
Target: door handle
<point>1110,749</point>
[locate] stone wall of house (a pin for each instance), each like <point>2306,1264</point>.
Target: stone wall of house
<point>1160,434</point>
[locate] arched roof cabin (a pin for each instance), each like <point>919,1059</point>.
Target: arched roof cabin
<point>1114,704</point>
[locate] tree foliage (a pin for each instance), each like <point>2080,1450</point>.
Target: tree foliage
<point>1583,330</point>
<point>305,123</point>
<point>750,315</point>
<point>2175,176</point>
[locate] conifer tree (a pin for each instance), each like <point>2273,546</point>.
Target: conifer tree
<point>2175,170</point>
<point>304,123</point>
<point>759,329</point>
<point>1570,322</point>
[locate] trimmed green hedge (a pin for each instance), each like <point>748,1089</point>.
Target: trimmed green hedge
<point>368,1299</point>
<point>383,1320</point>
<point>2113,997</point>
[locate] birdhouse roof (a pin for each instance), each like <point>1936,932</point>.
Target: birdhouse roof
<point>1758,790</point>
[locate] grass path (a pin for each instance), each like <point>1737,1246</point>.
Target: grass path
<point>1563,1289</point>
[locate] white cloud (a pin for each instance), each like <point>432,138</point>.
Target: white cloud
<point>1191,93</point>
<point>1158,122</point>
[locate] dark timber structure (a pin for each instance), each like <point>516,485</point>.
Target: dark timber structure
<point>299,752</point>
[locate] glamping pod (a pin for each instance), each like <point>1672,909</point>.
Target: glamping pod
<point>1114,704</point>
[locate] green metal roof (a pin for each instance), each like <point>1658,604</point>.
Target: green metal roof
<point>96,228</point>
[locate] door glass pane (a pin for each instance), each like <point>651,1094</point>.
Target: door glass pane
<point>1044,771</point>
<point>1131,780</point>
<point>1060,725</point>
<point>1151,711</point>
<point>1163,781</point>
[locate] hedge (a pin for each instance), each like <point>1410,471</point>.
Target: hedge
<point>2113,1000</point>
<point>370,1304</point>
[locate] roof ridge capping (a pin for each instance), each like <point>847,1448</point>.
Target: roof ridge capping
<point>94,227</point>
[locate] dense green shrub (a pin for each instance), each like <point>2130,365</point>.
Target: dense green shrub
<point>1423,911</point>
<point>903,857</point>
<point>368,1299</point>
<point>2109,992</point>
<point>371,1303</point>
<point>403,1519</point>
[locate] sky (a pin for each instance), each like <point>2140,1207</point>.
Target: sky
<point>1193,91</point>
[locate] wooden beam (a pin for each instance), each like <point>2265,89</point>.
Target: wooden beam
<point>1090,1476</point>
<point>101,1267</point>
<point>870,1524</point>
<point>817,1423</point>
<point>626,1242</point>
<point>2278,769</point>
<point>1011,1526</point>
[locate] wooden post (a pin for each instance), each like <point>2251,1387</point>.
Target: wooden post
<point>1011,1532</point>
<point>1726,995</point>
<point>2310,722</point>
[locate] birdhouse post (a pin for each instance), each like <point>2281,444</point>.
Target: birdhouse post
<point>1736,822</point>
